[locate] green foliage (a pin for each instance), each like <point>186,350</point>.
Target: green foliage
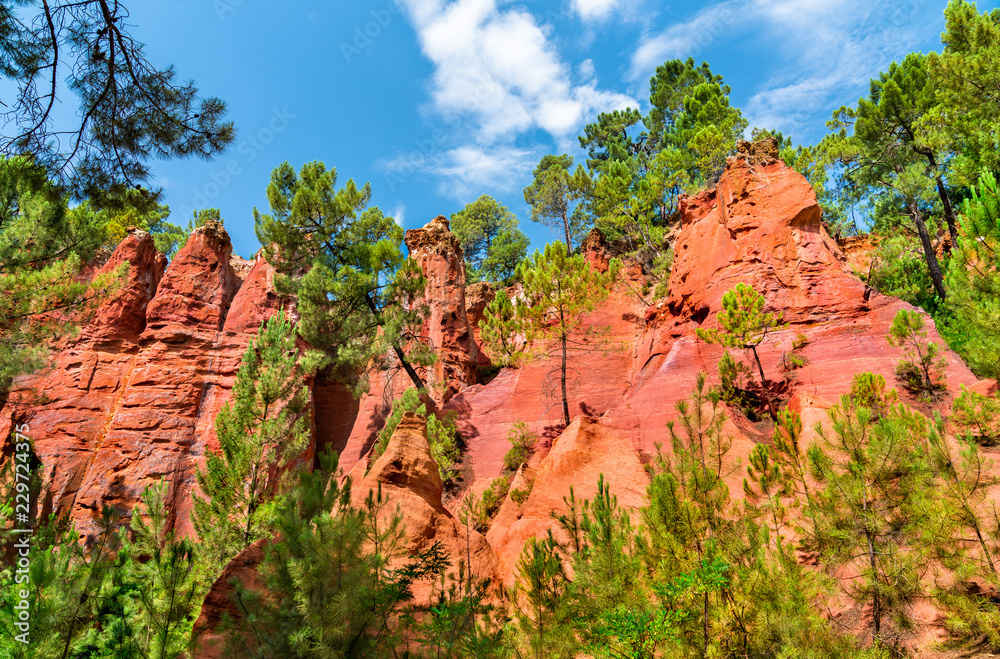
<point>543,583</point>
<point>743,324</point>
<point>501,331</point>
<point>692,126</point>
<point>800,342</point>
<point>552,195</point>
<point>977,416</point>
<point>974,278</point>
<point>480,510</point>
<point>890,160</point>
<point>765,485</point>
<point>963,74</point>
<point>519,495</point>
<point>65,586</point>
<point>920,370</point>
<point>734,379</point>
<point>873,504</point>
<point>522,445</point>
<point>441,433</point>
<point>263,433</point>
<point>129,111</point>
<point>462,620</point>
<point>43,249</point>
<point>345,264</point>
<point>868,390</point>
<point>491,240</point>
<point>899,269</point>
<point>164,578</point>
<point>335,575</point>
<point>558,289</point>
<point>793,460</point>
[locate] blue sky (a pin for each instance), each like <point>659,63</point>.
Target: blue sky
<point>436,102</point>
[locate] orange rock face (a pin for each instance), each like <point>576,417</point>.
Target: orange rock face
<point>440,256</point>
<point>135,398</point>
<point>407,477</point>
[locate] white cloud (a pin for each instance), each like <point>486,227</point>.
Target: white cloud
<point>497,78</point>
<point>591,9</point>
<point>839,46</point>
<point>829,49</point>
<point>685,39</point>
<point>497,67</point>
<point>467,171</point>
<point>399,214</point>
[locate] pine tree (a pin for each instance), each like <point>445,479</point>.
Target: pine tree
<point>745,324</point>
<point>545,619</point>
<point>794,461</point>
<point>964,75</point>
<point>164,572</point>
<point>766,484</point>
<point>551,196</point>
<point>337,575</point>
<point>491,240</point>
<point>345,264</point>
<point>43,249</point>
<point>129,113</point>
<point>558,290</point>
<point>974,279</point>
<point>872,505</point>
<point>888,154</point>
<point>921,367</point>
<point>65,585</point>
<point>262,433</point>
<point>500,329</point>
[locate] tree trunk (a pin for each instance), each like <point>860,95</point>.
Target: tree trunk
<point>949,213</point>
<point>417,382</point>
<point>929,255</point>
<point>565,219</point>
<point>876,603</point>
<point>763,385</point>
<point>565,397</point>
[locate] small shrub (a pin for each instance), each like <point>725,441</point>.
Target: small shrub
<point>868,390</point>
<point>977,415</point>
<point>484,508</point>
<point>442,435</point>
<point>800,342</point>
<point>520,495</point>
<point>921,366</point>
<point>522,445</point>
<point>792,362</point>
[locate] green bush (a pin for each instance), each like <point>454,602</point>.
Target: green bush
<point>522,445</point>
<point>441,434</point>
<point>977,415</point>
<point>520,495</point>
<point>921,368</point>
<point>800,342</point>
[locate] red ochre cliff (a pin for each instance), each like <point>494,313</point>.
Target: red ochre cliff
<point>134,399</point>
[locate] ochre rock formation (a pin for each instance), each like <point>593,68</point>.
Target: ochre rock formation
<point>135,398</point>
<point>437,251</point>
<point>407,477</point>
<point>410,482</point>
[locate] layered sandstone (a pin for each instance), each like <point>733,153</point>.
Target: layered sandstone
<point>135,398</point>
<point>407,478</point>
<point>447,329</point>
